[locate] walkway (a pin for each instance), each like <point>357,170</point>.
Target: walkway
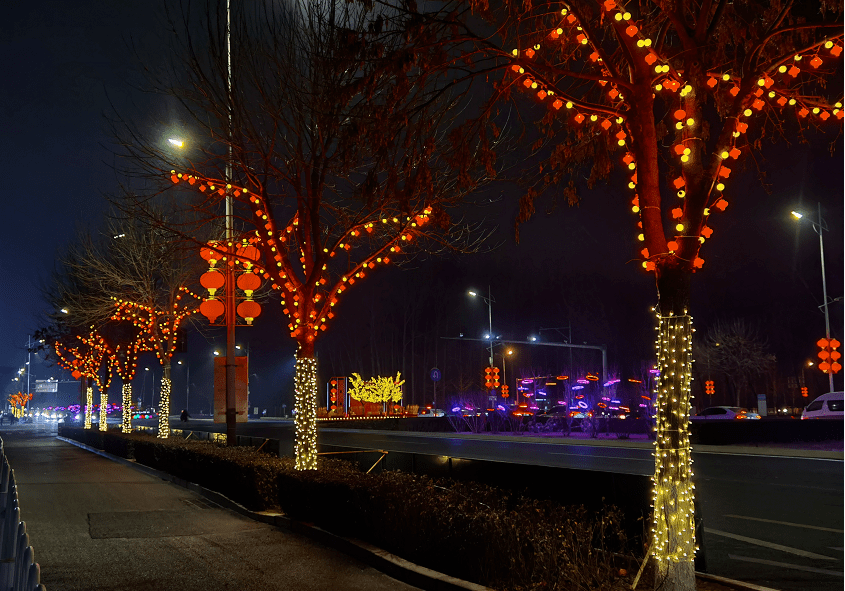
<point>96,525</point>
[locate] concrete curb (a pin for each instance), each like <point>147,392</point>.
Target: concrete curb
<point>390,564</point>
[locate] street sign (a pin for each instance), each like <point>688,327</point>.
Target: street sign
<point>46,386</point>
<point>435,375</point>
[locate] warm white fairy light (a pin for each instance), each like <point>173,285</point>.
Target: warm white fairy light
<point>305,421</point>
<point>673,531</point>
<point>126,424</point>
<point>104,404</point>
<point>89,404</point>
<point>164,409</point>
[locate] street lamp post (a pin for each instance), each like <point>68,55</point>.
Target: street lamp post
<point>819,228</point>
<point>489,301</point>
<point>187,381</point>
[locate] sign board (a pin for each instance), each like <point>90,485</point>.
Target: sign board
<point>46,386</point>
<point>435,375</point>
<point>241,382</point>
<point>762,409</point>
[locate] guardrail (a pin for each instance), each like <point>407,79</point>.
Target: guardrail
<point>18,569</point>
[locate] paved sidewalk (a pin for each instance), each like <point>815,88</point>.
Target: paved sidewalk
<point>96,525</point>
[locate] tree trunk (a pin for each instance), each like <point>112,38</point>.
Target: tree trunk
<point>126,422</point>
<point>673,529</point>
<point>164,403</point>
<point>305,404</point>
<point>89,402</point>
<point>104,403</point>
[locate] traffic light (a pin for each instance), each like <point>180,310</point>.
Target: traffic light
<point>804,391</point>
<point>505,391</point>
<point>709,388</point>
<point>829,355</point>
<point>488,378</point>
<point>495,377</point>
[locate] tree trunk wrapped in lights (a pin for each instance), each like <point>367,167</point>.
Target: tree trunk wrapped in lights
<point>305,405</point>
<point>126,421</point>
<point>89,405</point>
<point>164,404</point>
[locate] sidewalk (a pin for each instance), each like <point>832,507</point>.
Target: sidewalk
<point>96,525</point>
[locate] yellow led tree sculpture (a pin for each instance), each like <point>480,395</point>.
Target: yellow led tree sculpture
<point>159,328</point>
<point>312,263</point>
<point>379,389</point>
<point>675,94</point>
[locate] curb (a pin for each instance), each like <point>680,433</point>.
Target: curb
<point>390,564</point>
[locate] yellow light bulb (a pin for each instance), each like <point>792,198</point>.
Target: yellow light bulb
<point>747,112</point>
<point>726,77</point>
<point>679,227</point>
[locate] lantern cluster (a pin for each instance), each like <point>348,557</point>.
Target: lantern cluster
<point>241,257</point>
<point>829,355</point>
<point>709,387</point>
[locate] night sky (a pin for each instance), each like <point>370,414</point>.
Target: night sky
<point>65,62</point>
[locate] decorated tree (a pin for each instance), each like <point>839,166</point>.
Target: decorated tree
<point>677,95</point>
<point>332,148</point>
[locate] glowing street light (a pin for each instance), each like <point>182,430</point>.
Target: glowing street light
<point>176,142</point>
<point>819,228</point>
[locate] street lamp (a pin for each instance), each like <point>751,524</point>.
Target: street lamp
<point>489,301</point>
<point>819,228</point>
<point>187,381</point>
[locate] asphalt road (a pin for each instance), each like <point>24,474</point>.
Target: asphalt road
<point>769,519</point>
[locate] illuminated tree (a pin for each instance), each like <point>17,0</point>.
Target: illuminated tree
<point>676,94</point>
<point>340,158</point>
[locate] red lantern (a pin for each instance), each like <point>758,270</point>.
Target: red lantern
<point>76,374</point>
<point>249,253</point>
<point>212,281</point>
<point>249,282</point>
<point>249,310</point>
<point>211,309</point>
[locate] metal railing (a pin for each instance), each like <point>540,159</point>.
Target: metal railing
<point>18,569</point>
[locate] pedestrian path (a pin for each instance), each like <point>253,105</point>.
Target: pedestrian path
<point>98,525</point>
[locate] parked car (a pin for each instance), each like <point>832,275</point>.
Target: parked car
<point>431,412</point>
<point>724,413</point>
<point>826,406</point>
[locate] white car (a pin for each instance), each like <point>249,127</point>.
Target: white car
<point>826,406</point>
<point>724,413</point>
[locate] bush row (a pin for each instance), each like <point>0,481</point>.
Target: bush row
<point>468,530</point>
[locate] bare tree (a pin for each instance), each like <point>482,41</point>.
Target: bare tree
<point>735,350</point>
<point>334,148</point>
<point>677,95</point>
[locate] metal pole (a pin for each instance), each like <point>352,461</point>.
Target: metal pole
<point>231,395</point>
<point>187,385</point>
<point>29,360</point>
<point>824,294</point>
<point>490,319</point>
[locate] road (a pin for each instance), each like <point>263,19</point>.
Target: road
<point>769,519</point>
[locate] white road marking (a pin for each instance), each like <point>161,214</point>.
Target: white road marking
<point>766,544</point>
<point>838,531</point>
<point>809,569</point>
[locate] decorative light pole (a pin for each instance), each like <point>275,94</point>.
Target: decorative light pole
<point>819,228</point>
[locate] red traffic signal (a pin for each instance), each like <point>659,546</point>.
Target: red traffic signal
<point>829,355</point>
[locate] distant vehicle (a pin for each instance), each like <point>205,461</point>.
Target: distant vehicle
<point>826,406</point>
<point>553,414</point>
<point>724,413</point>
<point>431,412</point>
